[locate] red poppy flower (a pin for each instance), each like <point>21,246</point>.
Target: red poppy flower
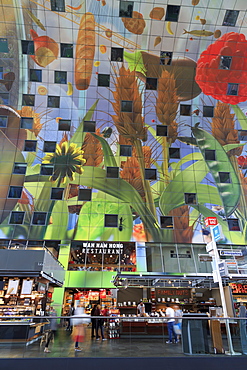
<point>214,76</point>
<point>242,161</point>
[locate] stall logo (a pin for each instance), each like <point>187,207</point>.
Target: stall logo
<point>103,248</point>
<point>238,288</point>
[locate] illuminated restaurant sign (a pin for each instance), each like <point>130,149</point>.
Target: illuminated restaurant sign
<point>102,248</point>
<point>238,288</point>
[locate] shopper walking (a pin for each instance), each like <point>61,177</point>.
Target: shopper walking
<point>78,333</point>
<point>53,329</point>
<point>93,321</point>
<point>170,323</point>
<point>178,313</point>
<point>99,323</point>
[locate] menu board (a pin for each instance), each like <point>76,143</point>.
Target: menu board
<point>13,286</point>
<point>27,286</point>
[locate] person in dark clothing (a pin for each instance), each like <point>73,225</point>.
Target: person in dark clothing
<point>53,329</point>
<point>93,321</point>
<point>71,313</point>
<point>99,323</point>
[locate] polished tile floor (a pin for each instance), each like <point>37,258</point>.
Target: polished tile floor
<point>63,346</point>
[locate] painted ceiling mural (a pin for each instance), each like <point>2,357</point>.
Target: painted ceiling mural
<point>123,120</point>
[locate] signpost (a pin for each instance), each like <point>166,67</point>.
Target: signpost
<point>220,270</point>
<point>205,258</point>
<point>230,253</point>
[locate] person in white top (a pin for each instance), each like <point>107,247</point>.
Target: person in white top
<point>141,309</point>
<point>170,323</point>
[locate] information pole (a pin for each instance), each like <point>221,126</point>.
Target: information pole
<point>216,234</point>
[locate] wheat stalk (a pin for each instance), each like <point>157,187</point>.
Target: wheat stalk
<point>93,152</point>
<point>129,124</point>
<point>182,232</point>
<point>167,104</point>
<point>223,127</point>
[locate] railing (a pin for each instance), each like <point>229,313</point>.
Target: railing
<point>114,336</point>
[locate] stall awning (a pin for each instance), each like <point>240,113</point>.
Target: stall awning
<point>31,263</point>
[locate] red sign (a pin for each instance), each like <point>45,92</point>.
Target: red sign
<point>238,288</point>
<point>211,221</point>
<point>102,293</point>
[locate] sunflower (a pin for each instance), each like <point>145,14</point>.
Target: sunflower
<point>67,159</point>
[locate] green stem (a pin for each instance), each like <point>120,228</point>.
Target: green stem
<point>50,210</point>
<point>146,183</point>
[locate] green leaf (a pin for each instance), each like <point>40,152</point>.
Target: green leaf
<point>79,135</point>
<point>9,154</point>
<point>186,181</point>
<point>31,156</point>
<point>194,214</point>
<point>59,216</point>
<point>109,159</point>
<point>135,61</point>
<point>92,218</point>
<point>33,170</point>
<point>228,147</point>
<point>195,156</point>
<point>234,237</point>
<point>229,192</point>
<point>96,178</point>
<point>242,119</point>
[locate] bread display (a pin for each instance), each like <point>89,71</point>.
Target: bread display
<point>85,50</point>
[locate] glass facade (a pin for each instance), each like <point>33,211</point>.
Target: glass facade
<point>123,122</point>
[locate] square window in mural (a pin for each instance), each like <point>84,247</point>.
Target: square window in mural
<point>126,106</point>
<point>112,172</point>
<point>85,195</point>
<point>174,153</point>
<point>60,77</point>
<point>190,198</point>
<point>20,168</point>
<point>151,83</point>
<point>161,130</point>
<point>89,126</point>
<point>27,47</point>
<point>230,18</point>
<point>30,146</point>
<point>126,8</point>
<point>3,121</point>
<point>4,48</point>
<point>15,192</point>
<point>111,220</point>
<point>27,123</point>
<point>35,75</point>
<point>126,150</point>
<point>4,98</point>
<point>242,135</point>
<point>39,218</point>
<point>66,50</point>
<point>208,111</point>
<point>1,73</point>
<point>225,62</point>
<point>28,100</point>
<point>166,58</point>
<point>58,5</point>
<point>210,155</point>
<point>16,218</point>
<point>103,80</point>
<point>185,110</point>
<point>49,146</point>
<point>64,125</point>
<point>232,89</point>
<point>172,13</point>
<point>46,169</point>
<point>53,101</point>
<point>117,54</point>
<point>150,174</point>
<point>166,222</point>
<point>225,177</point>
<point>233,224</point>
<point>57,193</point>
